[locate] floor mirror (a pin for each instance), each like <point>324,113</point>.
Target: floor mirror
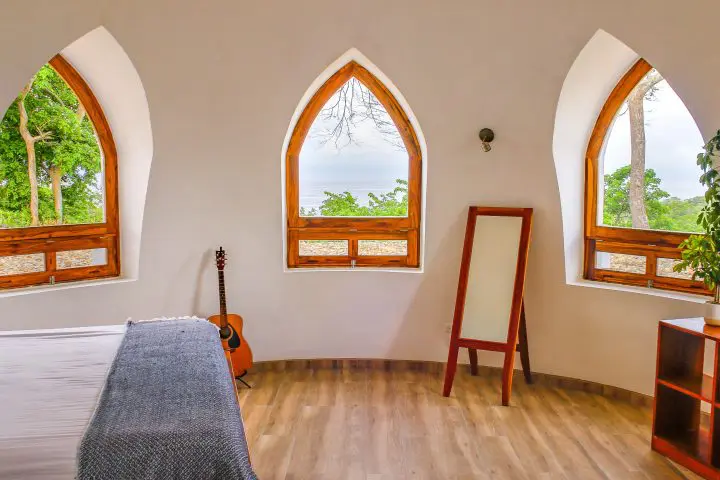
<point>490,308</point>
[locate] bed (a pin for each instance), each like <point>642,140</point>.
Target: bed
<point>51,382</point>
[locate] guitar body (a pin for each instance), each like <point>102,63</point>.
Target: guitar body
<point>240,352</point>
<point>236,347</point>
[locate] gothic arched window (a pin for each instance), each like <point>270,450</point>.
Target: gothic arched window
<point>642,191</point>
<point>353,178</point>
<point>59,217</point>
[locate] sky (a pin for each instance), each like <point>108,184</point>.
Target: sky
<point>370,164</point>
<point>673,141</point>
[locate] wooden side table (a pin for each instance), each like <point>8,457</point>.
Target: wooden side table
<point>680,430</point>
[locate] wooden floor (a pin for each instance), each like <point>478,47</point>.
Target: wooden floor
<point>368,424</point>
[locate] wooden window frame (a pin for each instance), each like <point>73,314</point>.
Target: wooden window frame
<point>50,239</point>
<point>652,244</point>
<point>353,229</point>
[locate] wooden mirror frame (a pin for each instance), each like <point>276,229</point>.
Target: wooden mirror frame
<point>516,324</point>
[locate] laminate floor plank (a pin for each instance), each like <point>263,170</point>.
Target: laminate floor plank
<point>370,424</point>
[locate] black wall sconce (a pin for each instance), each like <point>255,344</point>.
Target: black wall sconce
<point>486,136</point>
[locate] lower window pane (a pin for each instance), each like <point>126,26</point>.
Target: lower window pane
<point>323,248</point>
<point>382,247</point>
<point>81,258</point>
<point>19,264</point>
<point>620,262</point>
<point>665,269</point>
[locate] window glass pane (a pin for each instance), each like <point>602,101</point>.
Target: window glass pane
<point>68,158</point>
<point>382,247</point>
<point>655,121</point>
<point>17,264</point>
<point>620,262</point>
<point>309,248</point>
<point>353,161</point>
<point>81,258</point>
<point>665,269</point>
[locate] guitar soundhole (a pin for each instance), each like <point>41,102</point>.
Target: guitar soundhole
<point>234,340</point>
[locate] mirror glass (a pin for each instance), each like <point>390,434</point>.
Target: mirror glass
<point>491,278</point>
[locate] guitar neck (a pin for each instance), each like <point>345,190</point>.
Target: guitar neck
<point>223,306</point>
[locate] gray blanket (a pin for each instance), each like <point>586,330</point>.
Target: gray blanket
<point>168,409</point>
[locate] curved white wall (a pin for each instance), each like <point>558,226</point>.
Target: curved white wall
<point>223,79</point>
<point>110,74</point>
<point>592,77</point>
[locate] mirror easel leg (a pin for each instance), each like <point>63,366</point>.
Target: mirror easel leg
<point>507,375</point>
<point>473,362</point>
<point>450,368</point>
<point>523,347</point>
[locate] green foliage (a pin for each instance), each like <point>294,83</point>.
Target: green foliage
<point>681,215</point>
<point>664,212</point>
<point>616,209</point>
<point>71,146</point>
<point>391,204</point>
<point>700,252</point>
<point>700,255</point>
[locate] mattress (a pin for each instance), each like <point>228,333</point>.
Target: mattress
<point>50,381</point>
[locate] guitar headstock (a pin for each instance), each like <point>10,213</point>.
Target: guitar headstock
<point>220,259</point>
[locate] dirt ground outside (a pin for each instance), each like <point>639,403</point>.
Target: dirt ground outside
<point>18,264</point>
<point>340,247</point>
<point>636,264</point>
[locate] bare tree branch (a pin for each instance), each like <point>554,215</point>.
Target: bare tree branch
<point>649,85</point>
<point>80,113</point>
<point>355,104</point>
<point>54,95</point>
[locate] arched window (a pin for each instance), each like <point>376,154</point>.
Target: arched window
<point>353,178</point>
<point>642,191</point>
<point>58,183</point>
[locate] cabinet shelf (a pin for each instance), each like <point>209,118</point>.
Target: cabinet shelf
<point>696,444</point>
<point>702,389</point>
<point>681,431</point>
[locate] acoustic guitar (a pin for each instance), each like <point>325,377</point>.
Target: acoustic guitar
<point>231,326</point>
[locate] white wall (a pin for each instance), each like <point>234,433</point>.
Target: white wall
<point>591,79</point>
<point>223,79</point>
<point>109,72</point>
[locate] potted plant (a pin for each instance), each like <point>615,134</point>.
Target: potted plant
<point>701,252</point>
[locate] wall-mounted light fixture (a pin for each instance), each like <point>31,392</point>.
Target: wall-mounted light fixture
<point>486,136</point>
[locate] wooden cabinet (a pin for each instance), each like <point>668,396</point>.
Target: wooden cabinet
<point>682,429</point>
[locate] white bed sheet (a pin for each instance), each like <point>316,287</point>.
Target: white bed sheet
<point>49,383</point>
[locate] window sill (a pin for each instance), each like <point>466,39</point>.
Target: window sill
<point>655,292</point>
<point>15,292</point>
<point>356,269</point>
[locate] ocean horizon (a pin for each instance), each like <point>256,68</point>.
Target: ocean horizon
<point>312,193</point>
